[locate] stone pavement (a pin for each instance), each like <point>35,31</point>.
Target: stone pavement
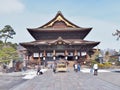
<point>72,81</point>
<point>9,80</point>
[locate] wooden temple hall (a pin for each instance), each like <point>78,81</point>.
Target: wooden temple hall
<point>58,39</point>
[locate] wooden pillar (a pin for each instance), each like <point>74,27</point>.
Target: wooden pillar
<point>32,58</point>
<point>76,55</point>
<point>39,60</point>
<point>44,53</point>
<point>54,55</point>
<point>44,58</point>
<point>66,54</point>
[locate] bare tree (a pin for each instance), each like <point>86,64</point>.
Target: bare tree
<point>117,33</point>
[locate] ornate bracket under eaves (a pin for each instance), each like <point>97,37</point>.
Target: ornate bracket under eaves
<point>59,41</point>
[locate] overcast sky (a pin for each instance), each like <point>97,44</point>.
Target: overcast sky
<point>102,15</point>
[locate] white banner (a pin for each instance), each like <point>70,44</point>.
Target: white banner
<point>35,54</point>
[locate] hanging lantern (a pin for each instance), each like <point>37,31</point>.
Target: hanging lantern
<point>76,57</point>
<point>66,57</point>
<point>54,57</point>
<point>43,58</point>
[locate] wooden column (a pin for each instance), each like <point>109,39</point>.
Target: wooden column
<point>54,55</point>
<point>44,54</point>
<point>39,60</point>
<point>66,54</point>
<point>76,54</point>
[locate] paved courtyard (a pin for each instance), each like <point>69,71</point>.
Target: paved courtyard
<point>72,81</point>
<point>9,80</point>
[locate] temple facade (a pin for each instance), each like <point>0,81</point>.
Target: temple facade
<point>58,38</point>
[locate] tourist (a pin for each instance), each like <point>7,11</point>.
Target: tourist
<point>95,67</point>
<point>91,68</point>
<point>76,67</point>
<point>54,67</point>
<point>79,67</point>
<point>38,70</point>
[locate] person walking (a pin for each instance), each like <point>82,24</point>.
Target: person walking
<point>79,67</point>
<point>95,67</point>
<point>76,67</point>
<point>54,67</point>
<point>91,68</point>
<point>38,70</point>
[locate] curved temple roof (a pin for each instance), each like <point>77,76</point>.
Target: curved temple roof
<point>59,31</point>
<point>58,24</point>
<point>59,18</point>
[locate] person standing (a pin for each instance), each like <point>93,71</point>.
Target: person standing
<point>95,67</point>
<point>54,67</point>
<point>91,68</point>
<point>76,67</point>
<point>38,70</point>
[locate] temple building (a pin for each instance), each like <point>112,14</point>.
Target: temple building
<point>58,38</point>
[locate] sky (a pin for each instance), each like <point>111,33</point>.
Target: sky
<point>102,15</point>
